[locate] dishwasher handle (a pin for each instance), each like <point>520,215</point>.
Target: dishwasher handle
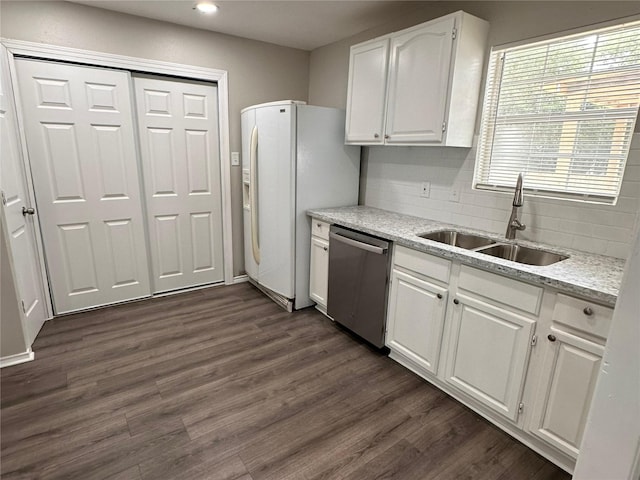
<point>357,244</point>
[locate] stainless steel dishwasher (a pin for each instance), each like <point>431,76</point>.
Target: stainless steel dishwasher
<point>358,280</point>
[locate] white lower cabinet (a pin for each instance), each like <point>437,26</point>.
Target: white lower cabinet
<point>563,397</point>
<point>319,264</point>
<point>488,354</point>
<point>525,357</point>
<point>319,271</point>
<point>416,319</point>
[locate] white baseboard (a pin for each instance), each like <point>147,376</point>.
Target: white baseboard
<point>240,279</point>
<point>17,359</point>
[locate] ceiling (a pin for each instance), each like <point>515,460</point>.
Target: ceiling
<point>303,24</point>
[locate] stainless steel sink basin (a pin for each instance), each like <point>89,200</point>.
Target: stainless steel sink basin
<point>520,254</point>
<point>458,239</point>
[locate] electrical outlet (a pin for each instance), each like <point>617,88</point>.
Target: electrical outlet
<point>425,191</point>
<point>454,195</point>
<point>235,159</point>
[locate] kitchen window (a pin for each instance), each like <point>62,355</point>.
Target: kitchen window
<point>563,112</point>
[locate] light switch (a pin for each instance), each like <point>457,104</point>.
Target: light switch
<point>235,159</point>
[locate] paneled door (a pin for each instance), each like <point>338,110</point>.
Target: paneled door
<point>418,83</point>
<point>416,319</point>
<point>488,354</point>
<point>178,124</point>
<point>20,223</point>
<point>81,145</point>
<point>567,381</point>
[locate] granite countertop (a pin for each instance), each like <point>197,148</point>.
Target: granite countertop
<point>592,276</point>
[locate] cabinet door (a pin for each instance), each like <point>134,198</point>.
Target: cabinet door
<point>366,92</point>
<point>567,380</point>
<point>415,319</point>
<point>319,271</point>
<point>488,354</point>
<point>418,83</point>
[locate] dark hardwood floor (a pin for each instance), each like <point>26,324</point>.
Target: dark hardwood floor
<point>223,384</point>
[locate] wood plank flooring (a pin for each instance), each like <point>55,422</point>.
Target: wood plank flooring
<point>223,384</point>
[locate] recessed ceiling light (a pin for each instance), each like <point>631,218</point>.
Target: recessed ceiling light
<point>206,7</point>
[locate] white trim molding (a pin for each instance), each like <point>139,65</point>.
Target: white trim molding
<point>88,57</point>
<point>17,359</point>
<point>241,279</point>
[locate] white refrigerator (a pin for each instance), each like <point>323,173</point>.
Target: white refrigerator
<point>293,159</point>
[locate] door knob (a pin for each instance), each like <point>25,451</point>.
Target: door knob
<point>28,211</point>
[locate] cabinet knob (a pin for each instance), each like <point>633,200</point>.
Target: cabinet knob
<point>375,135</point>
<point>386,136</point>
<point>325,248</point>
<point>588,311</point>
<point>552,338</point>
<point>439,295</point>
<point>456,301</point>
<point>319,225</point>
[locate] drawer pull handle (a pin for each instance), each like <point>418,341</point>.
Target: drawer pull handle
<point>588,311</point>
<point>552,338</point>
<point>456,301</point>
<point>439,295</point>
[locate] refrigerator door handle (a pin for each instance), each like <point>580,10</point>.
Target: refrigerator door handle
<point>253,193</point>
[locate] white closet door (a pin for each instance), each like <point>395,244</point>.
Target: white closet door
<point>20,226</point>
<point>80,139</point>
<point>178,125</point>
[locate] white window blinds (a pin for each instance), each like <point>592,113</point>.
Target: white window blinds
<point>562,112</point>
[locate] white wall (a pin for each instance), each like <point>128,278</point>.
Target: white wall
<point>258,71</point>
<point>393,181</point>
<point>391,176</point>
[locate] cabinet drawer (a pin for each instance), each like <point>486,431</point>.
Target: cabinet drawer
<point>507,291</point>
<point>582,315</point>
<point>423,263</point>
<point>320,228</point>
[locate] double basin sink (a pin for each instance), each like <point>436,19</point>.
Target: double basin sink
<point>487,246</point>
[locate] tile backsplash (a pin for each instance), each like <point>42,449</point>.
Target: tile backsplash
<point>393,178</point>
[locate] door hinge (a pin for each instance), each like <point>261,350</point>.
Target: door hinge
<point>534,340</point>
<point>24,309</point>
<point>520,407</point>
<point>444,126</point>
<point>4,199</point>
<point>454,33</point>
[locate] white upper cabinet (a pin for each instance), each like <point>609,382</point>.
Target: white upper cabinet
<point>419,86</point>
<point>418,81</point>
<point>367,89</point>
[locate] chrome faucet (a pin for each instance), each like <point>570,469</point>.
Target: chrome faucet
<point>518,199</point>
